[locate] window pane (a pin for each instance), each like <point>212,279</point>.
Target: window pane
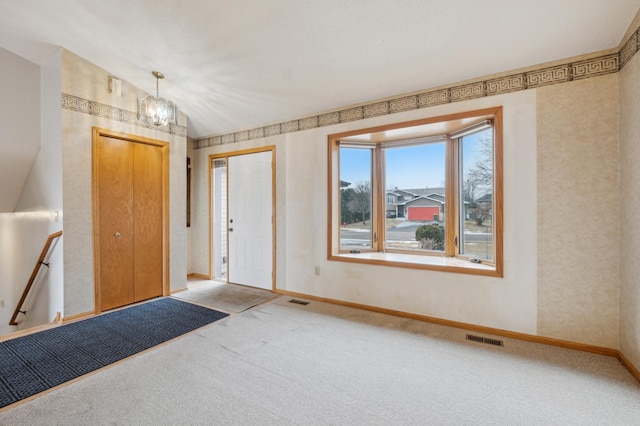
<point>355,198</point>
<point>220,223</point>
<point>414,183</point>
<point>476,220</point>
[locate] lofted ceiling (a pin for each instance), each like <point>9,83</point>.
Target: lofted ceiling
<point>239,64</point>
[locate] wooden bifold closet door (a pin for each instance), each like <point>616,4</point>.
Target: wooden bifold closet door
<point>129,196</point>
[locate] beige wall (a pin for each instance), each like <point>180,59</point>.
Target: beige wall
<point>301,230</point>
<point>188,236</point>
<point>561,220</point>
<point>572,233</point>
<point>84,80</point>
<point>578,209</point>
<point>630,211</point>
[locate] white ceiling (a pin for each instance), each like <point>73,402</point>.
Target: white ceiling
<point>239,64</point>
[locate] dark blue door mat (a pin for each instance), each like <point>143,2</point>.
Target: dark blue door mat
<point>34,363</point>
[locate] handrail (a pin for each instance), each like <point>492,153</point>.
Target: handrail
<point>34,274</point>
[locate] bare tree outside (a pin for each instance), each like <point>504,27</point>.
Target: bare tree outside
<point>477,189</point>
<point>360,202</point>
<point>469,190</point>
<point>481,173</point>
<point>478,186</point>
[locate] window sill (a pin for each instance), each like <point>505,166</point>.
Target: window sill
<point>432,263</point>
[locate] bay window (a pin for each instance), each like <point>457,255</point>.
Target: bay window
<point>423,194</point>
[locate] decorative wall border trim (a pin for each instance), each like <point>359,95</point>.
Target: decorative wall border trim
<point>544,76</point>
<point>85,106</point>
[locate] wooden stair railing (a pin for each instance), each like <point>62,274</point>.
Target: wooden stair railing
<point>34,274</point>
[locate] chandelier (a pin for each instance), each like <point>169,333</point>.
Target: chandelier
<point>155,109</point>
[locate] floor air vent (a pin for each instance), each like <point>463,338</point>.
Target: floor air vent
<point>298,302</point>
<point>486,340</point>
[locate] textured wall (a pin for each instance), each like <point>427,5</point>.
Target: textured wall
<point>301,228</point>
<point>561,214</point>
<point>562,240</point>
<point>88,83</point>
<point>578,206</point>
<point>630,206</point>
<point>188,236</point>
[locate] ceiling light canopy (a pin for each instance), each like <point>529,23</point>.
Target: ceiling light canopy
<point>155,109</point>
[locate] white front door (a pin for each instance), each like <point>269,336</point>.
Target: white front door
<point>250,220</point>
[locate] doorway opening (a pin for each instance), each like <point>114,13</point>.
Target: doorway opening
<point>242,193</point>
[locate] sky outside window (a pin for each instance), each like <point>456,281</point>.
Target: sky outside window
<point>420,166</point>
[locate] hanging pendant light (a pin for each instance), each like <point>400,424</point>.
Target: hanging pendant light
<point>155,109</point>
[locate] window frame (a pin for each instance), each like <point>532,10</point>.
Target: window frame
<point>450,260</point>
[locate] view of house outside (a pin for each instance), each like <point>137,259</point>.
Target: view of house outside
<point>414,179</point>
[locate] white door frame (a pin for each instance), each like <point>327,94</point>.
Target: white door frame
<point>226,156</point>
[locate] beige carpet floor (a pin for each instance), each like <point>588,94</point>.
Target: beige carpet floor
<point>286,364</point>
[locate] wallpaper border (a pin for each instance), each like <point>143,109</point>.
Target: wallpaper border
<point>86,106</point>
<point>544,76</point>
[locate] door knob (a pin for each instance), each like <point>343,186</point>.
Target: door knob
<point>118,235</point>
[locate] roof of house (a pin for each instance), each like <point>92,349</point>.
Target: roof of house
<point>420,197</point>
<point>416,192</point>
<point>485,197</point>
<point>425,191</point>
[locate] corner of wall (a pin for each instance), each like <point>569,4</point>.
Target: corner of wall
<point>629,249</point>
<point>38,214</point>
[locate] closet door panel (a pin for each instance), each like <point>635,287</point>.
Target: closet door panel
<point>115,204</point>
<point>147,218</point>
